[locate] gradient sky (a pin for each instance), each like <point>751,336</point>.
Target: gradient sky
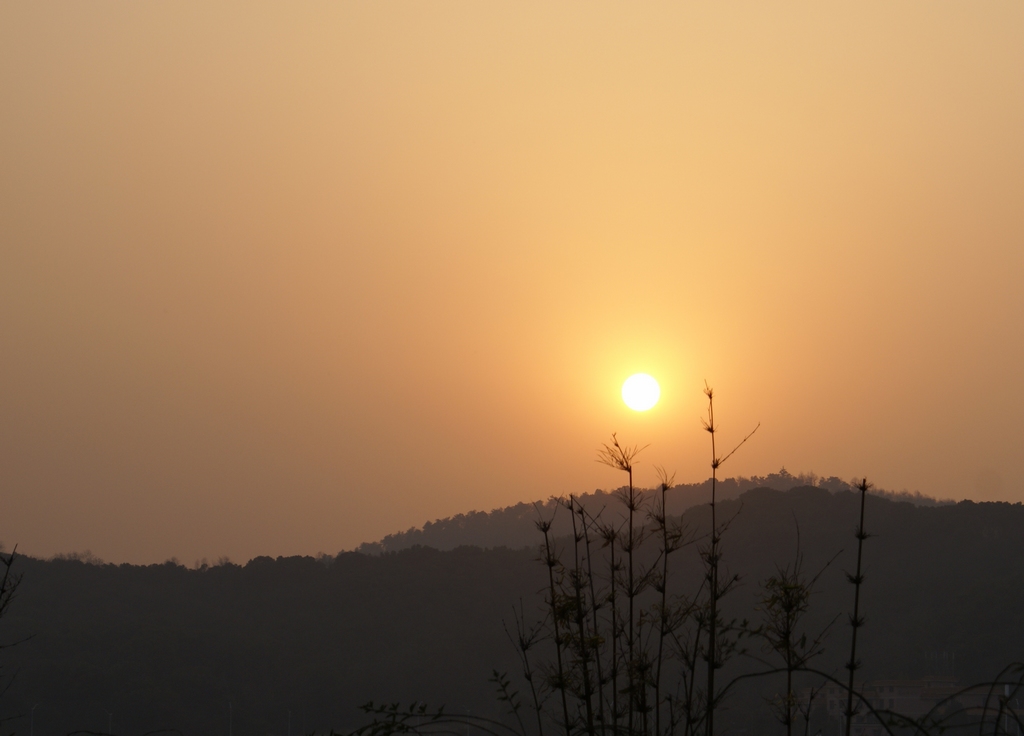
<point>280,278</point>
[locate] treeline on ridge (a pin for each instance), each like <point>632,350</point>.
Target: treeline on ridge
<point>514,526</point>
<point>295,644</point>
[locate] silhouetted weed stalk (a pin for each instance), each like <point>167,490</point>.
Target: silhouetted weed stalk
<point>9,582</point>
<point>718,648</point>
<point>785,599</point>
<point>621,649</point>
<point>856,620</point>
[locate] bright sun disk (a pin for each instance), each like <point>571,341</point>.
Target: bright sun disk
<point>640,392</point>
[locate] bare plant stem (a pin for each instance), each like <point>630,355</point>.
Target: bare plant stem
<point>692,683</point>
<point>581,623</point>
<point>807,713</point>
<point>612,536</point>
<point>551,560</point>
<point>621,458</point>
<point>524,641</point>
<point>662,519</point>
<point>856,621</point>
<point>631,594</point>
<point>712,563</point>
<point>594,606</point>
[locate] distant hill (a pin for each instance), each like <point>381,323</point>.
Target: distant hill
<point>515,526</point>
<point>249,647</point>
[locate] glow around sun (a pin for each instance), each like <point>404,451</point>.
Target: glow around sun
<point>640,392</point>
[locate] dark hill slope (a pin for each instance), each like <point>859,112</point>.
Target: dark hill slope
<point>939,580</point>
<point>163,646</point>
<point>514,526</point>
<point>167,647</point>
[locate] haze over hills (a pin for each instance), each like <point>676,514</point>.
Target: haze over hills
<point>293,279</point>
<point>289,278</point>
<point>515,526</point>
<point>163,646</point>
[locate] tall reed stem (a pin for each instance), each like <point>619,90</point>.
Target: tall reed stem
<point>611,536</point>
<point>856,621</point>
<point>631,594</point>
<point>551,561</point>
<point>581,622</point>
<point>712,562</point>
<point>621,458</point>
<point>594,606</point>
<point>662,519</point>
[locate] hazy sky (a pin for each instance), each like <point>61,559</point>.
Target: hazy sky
<point>280,278</point>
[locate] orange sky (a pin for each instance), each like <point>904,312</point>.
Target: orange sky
<point>282,278</point>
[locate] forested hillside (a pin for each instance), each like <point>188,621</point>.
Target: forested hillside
<point>515,527</point>
<point>298,643</point>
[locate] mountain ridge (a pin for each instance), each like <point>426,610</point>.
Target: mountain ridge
<point>515,526</point>
<point>165,646</point>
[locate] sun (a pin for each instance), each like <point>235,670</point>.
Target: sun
<point>640,392</point>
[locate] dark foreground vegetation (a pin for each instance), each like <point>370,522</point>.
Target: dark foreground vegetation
<point>296,644</point>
